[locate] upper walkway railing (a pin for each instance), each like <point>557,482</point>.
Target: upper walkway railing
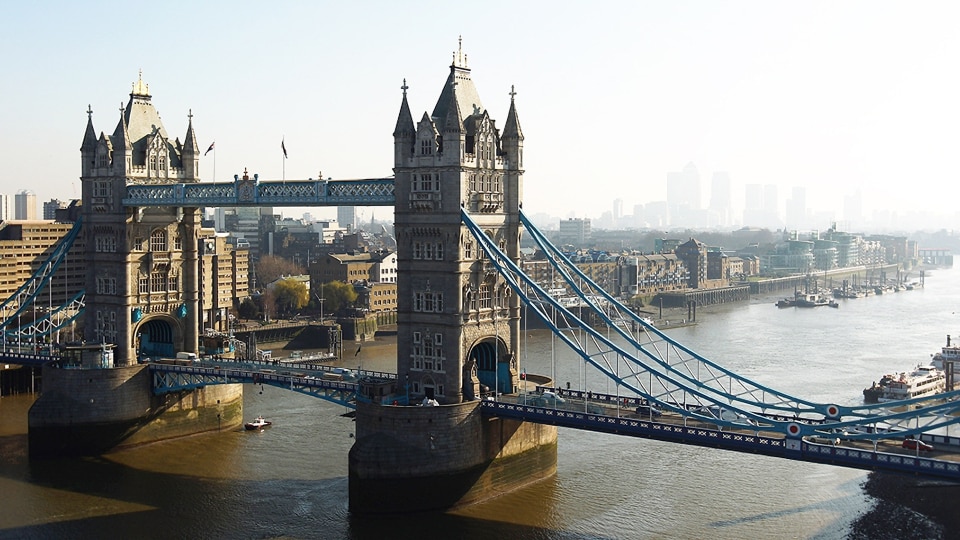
<point>253,192</point>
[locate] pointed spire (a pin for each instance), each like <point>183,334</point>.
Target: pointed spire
<point>453,123</point>
<point>458,87</point>
<point>190,141</point>
<point>511,128</point>
<point>120,137</point>
<point>404,119</point>
<point>89,136</point>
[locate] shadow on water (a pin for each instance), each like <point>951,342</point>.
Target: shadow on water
<point>99,497</point>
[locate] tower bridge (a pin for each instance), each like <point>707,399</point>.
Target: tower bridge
<point>457,194</point>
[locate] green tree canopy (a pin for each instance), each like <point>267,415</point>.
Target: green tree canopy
<point>336,295</point>
<point>291,295</point>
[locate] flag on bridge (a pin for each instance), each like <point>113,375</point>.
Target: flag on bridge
<point>211,148</point>
<point>283,147</point>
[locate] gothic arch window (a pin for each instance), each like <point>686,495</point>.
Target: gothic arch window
<point>158,240</point>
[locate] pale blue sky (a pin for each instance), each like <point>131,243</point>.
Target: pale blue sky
<point>833,96</point>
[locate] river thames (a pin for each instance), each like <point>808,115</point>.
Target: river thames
<point>290,481</point>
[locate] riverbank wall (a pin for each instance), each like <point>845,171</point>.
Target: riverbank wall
<point>94,411</point>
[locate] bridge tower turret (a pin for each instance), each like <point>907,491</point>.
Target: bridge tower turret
<point>142,283</point>
<point>458,323</point>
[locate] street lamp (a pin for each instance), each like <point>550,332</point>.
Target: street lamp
<point>496,357</point>
<point>320,299</point>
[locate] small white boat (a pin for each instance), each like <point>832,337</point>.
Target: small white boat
<point>258,425</point>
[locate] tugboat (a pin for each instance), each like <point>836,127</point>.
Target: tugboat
<point>258,425</point>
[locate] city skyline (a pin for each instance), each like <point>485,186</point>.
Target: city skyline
<point>838,99</point>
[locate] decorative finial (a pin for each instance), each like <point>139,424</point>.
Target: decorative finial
<point>404,87</point>
<point>190,114</point>
<point>458,56</point>
<point>139,88</point>
<point>89,111</point>
<point>121,108</point>
<point>512,93</point>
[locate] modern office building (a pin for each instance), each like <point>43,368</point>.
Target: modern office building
<point>25,205</point>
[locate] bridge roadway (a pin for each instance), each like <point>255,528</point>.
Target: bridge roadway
<point>338,385</point>
<point>579,410</point>
<point>604,413</point>
<point>28,359</point>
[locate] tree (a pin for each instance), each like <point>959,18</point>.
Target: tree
<point>271,268</point>
<point>291,295</point>
<point>248,309</point>
<point>336,295</point>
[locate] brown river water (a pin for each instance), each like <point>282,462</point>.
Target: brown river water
<point>290,481</point>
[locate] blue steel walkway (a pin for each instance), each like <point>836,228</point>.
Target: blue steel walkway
<point>617,415</point>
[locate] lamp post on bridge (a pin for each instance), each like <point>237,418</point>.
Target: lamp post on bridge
<point>496,354</point>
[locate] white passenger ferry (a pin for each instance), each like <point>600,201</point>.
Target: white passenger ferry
<point>922,382</point>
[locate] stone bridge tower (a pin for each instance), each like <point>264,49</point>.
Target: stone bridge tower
<point>142,282</point>
<point>458,323</point>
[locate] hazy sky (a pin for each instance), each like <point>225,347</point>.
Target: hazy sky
<point>833,96</point>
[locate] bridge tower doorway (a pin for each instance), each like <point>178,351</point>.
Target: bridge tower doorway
<point>157,337</point>
<point>492,359</point>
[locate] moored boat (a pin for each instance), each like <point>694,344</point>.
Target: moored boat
<point>872,393</point>
<point>258,425</point>
<point>922,382</point>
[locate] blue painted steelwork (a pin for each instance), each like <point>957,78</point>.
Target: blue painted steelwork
<point>659,380</point>
<point>687,364</point>
<point>252,192</point>
<point>171,377</point>
<point>61,317</point>
<point>27,359</point>
<point>23,299</point>
<point>736,440</point>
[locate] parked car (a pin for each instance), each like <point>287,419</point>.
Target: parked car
<point>912,444</point>
<point>547,399</point>
<point>715,411</point>
<point>649,411</point>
